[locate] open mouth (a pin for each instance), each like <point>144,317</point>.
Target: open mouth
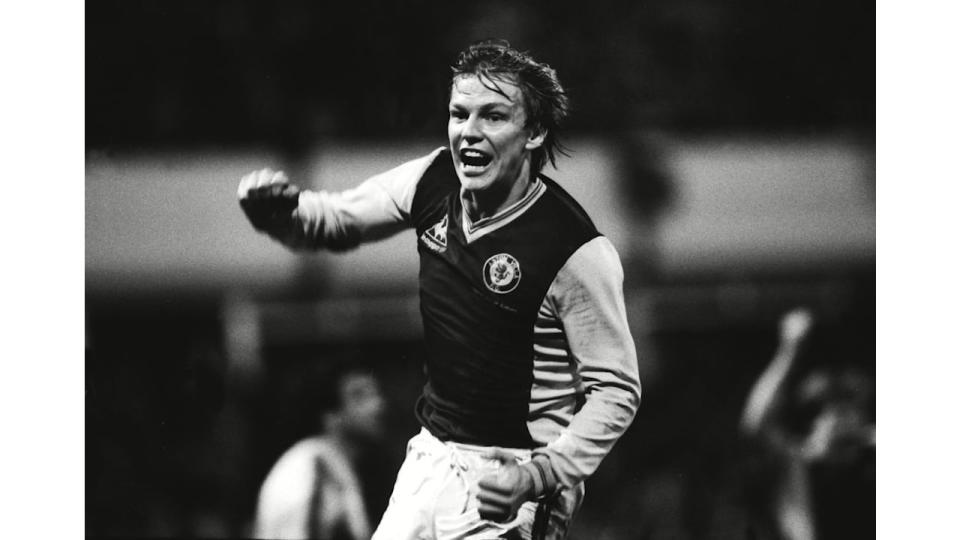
<point>474,158</point>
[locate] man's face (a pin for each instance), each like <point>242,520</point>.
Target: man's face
<point>363,405</point>
<point>488,137</point>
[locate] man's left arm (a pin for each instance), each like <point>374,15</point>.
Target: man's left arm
<point>588,297</point>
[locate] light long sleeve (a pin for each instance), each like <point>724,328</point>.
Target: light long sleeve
<point>587,295</point>
<point>375,209</point>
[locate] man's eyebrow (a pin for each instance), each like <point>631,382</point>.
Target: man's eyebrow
<point>486,107</point>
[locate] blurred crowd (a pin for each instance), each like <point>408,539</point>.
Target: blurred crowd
<point>760,432</point>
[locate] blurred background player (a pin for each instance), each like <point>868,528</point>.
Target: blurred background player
<point>313,490</point>
<point>815,427</point>
<point>532,373</point>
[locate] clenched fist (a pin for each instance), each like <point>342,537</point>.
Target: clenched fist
<point>501,494</point>
<point>268,198</point>
<point>795,325</point>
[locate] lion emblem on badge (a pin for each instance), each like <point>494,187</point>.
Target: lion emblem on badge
<point>501,273</point>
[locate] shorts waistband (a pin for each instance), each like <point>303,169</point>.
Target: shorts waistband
<point>522,453</point>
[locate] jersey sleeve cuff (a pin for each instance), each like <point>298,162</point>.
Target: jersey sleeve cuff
<point>544,479</point>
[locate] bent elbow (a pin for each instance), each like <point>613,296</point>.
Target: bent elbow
<point>636,393</point>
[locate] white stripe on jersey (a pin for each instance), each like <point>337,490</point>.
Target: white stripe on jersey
<point>549,351</point>
<point>553,395</point>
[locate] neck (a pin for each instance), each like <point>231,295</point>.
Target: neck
<point>489,202</point>
<point>349,447</point>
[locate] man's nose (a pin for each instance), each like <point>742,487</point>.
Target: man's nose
<point>471,130</point>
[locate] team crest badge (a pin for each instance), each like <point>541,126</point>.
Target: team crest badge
<point>436,237</point>
<point>501,273</point>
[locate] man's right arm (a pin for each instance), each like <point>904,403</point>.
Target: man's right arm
<point>310,220</point>
<point>767,396</point>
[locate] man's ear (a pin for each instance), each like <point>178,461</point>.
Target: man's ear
<point>537,136</point>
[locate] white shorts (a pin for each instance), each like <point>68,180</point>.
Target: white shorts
<point>434,497</point>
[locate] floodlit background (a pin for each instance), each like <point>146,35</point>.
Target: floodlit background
<point>726,148</point>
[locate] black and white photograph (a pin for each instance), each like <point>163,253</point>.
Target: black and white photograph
<point>426,270</point>
<point>498,270</point>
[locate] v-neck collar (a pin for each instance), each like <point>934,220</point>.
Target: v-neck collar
<point>473,231</point>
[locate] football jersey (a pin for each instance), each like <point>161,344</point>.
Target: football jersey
<point>523,314</point>
<point>481,288</point>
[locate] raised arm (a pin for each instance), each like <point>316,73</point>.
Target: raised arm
<point>767,396</point>
<point>309,220</point>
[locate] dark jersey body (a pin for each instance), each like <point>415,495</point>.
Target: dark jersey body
<point>480,293</point>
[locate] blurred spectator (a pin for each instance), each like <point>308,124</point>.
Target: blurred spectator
<point>313,490</point>
<point>815,430</point>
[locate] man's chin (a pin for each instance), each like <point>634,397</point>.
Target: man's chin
<point>474,183</point>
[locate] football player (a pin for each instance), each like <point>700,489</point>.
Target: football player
<point>531,369</point>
